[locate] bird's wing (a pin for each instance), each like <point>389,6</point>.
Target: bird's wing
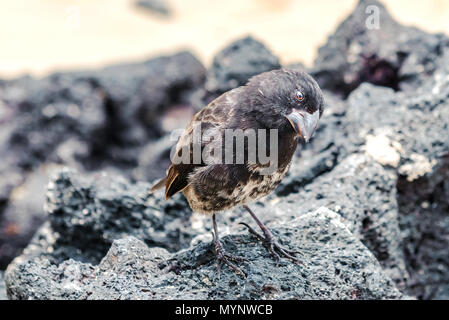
<point>212,116</point>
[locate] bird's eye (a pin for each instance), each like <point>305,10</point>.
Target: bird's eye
<point>299,95</point>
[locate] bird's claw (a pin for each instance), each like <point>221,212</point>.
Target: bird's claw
<point>273,247</point>
<point>223,256</point>
<point>277,250</point>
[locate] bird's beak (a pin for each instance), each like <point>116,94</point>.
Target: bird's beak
<point>304,123</point>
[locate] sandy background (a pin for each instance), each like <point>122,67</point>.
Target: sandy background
<point>41,36</point>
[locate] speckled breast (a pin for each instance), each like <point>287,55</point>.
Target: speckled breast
<point>258,186</point>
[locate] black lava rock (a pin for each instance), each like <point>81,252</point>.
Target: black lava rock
<point>235,64</point>
<point>335,265</point>
<point>370,46</point>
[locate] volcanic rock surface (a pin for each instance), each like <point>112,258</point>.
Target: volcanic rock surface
<point>365,204</point>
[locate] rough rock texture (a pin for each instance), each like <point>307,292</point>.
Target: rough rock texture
<point>363,193</point>
<point>424,219</point>
<point>415,134</point>
<point>2,287</point>
<point>384,53</point>
<point>93,211</point>
<point>88,213</point>
<point>407,134</point>
<point>330,256</point>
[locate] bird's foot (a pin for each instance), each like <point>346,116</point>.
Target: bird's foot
<point>273,247</point>
<point>223,256</point>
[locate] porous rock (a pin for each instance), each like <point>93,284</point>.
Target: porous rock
<point>406,133</point>
<point>334,265</point>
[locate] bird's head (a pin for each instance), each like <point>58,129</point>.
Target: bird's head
<point>291,97</point>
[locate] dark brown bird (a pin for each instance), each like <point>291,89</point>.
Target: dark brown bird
<point>278,107</point>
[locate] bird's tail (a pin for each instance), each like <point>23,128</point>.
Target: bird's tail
<point>159,185</point>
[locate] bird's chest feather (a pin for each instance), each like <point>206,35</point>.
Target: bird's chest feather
<point>259,185</point>
<point>256,187</point>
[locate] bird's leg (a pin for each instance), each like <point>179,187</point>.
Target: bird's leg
<point>275,249</point>
<point>223,256</point>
